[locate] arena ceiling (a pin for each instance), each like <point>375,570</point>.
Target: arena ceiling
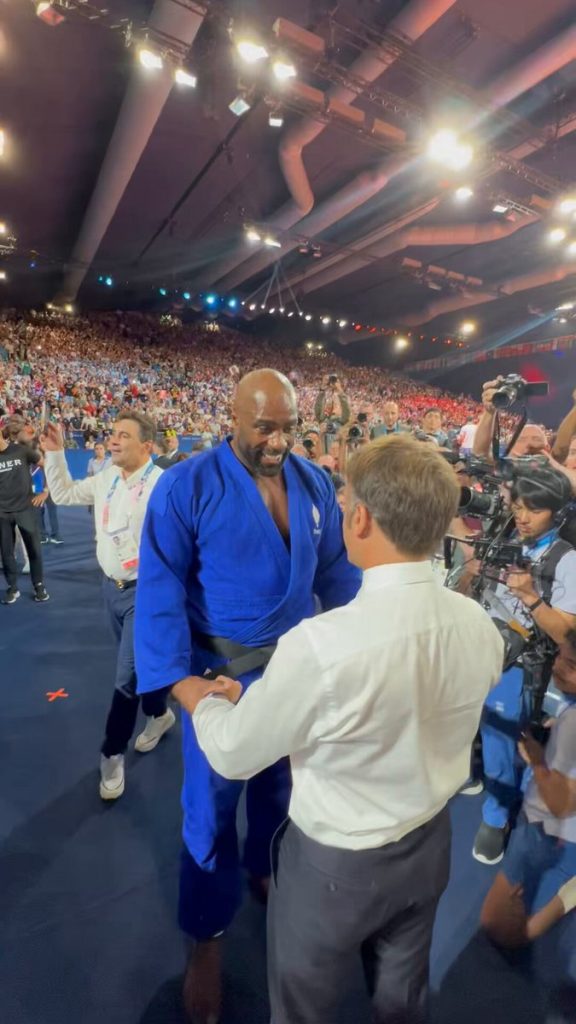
<point>112,172</point>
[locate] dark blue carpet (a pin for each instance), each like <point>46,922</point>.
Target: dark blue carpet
<point>88,891</point>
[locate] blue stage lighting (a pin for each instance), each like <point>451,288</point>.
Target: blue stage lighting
<point>187,296</point>
<point>163,291</point>
<point>108,281</point>
<point>211,300</point>
<point>232,303</point>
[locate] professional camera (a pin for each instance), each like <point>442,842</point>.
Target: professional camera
<point>355,433</point>
<point>483,504</point>
<point>308,444</point>
<point>362,417</point>
<point>514,388</point>
<point>333,379</point>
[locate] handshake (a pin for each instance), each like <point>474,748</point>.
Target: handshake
<point>191,690</point>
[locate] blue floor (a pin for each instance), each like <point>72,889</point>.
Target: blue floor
<point>88,891</point>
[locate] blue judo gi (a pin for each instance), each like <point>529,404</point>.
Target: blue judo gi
<point>213,563</point>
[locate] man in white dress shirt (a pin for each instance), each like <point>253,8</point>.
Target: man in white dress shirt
<point>377,704</point>
<point>119,495</point>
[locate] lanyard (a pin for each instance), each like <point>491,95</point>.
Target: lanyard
<point>112,491</point>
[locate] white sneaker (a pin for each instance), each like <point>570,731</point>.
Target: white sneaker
<point>111,776</point>
<point>154,731</point>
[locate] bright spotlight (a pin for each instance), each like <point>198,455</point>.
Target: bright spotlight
<point>252,307</point>
<point>342,323</point>
<point>567,205</point>
<point>263,306</point>
<point>239,105</point>
<point>150,60</point>
<point>562,320</point>
<point>182,77</point>
<point>186,296</point>
<point>463,193</point>
<point>499,208</point>
<point>326,320</point>
<point>163,292</point>
<point>272,242</point>
<point>272,309</point>
<point>565,305</point>
<point>3,228</point>
<point>2,275</point>
<point>283,71</point>
<point>308,316</point>
<point>2,142</point>
<point>557,235</point>
<point>401,343</point>
<point>46,12</point>
<point>446,148</point>
<point>68,308</point>
<point>232,303</point>
<point>252,235</point>
<point>571,250</point>
<point>281,310</point>
<point>468,327</point>
<point>291,313</point>
<point>275,120</point>
<point>211,300</point>
<point>250,51</point>
<point>108,281</point>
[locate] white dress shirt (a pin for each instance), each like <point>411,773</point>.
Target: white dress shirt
<point>376,703</point>
<point>127,505</point>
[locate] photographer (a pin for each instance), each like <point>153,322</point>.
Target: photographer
<point>332,403</point>
<point>541,858</point>
<point>544,597</point>
<point>312,442</point>
<point>531,441</point>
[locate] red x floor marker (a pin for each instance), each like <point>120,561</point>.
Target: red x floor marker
<point>56,694</point>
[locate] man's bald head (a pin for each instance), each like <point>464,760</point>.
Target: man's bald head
<point>265,418</point>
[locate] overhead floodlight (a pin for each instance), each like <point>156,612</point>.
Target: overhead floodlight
<point>3,275</point>
<point>562,320</point>
<point>565,305</point>
<point>251,51</point>
<point>239,105</point>
<point>500,208</point>
<point>182,77</point>
<point>567,205</point>
<point>281,310</point>
<point>150,60</point>
<point>47,13</point>
<point>275,120</point>
<point>401,343</point>
<point>326,320</point>
<point>463,193</point>
<point>308,316</point>
<point>186,296</point>
<point>2,142</point>
<point>263,306</point>
<point>108,282</point>
<point>252,307</point>
<point>447,149</point>
<point>232,303</point>
<point>163,292</point>
<point>253,235</point>
<point>571,250</point>
<point>467,327</point>
<point>211,300</point>
<point>283,70</point>
<point>3,228</point>
<point>557,235</point>
<point>291,313</point>
<point>272,242</point>
<point>342,323</point>
<point>68,308</point>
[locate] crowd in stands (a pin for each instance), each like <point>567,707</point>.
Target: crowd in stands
<point>86,369</point>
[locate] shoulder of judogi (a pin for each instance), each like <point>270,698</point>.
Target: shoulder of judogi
<point>188,486</point>
<point>314,479</point>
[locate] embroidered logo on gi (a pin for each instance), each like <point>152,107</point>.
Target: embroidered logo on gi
<point>316,518</point>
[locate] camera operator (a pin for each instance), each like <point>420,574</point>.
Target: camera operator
<point>544,597</point>
<point>431,429</point>
<point>332,403</point>
<point>540,861</point>
<point>531,441</point>
<point>312,442</point>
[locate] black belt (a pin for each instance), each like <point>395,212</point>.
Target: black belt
<point>122,584</point>
<point>239,659</point>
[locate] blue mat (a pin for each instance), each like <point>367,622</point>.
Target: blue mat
<point>88,891</point>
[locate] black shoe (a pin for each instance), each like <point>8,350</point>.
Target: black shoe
<point>40,593</point>
<point>11,596</point>
<point>489,844</point>
<point>55,540</point>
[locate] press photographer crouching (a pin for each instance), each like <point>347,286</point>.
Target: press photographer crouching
<point>536,605</point>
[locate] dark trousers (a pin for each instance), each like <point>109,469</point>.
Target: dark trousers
<point>27,523</point>
<point>328,907</point>
<point>52,510</point>
<point>124,708</point>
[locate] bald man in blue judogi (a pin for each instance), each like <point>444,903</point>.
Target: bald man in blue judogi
<point>238,546</point>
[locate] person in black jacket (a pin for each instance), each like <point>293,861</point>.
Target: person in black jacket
<point>17,510</point>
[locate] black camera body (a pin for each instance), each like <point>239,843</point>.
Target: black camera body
<point>355,432</point>
<point>308,444</point>
<point>514,389</point>
<point>333,379</point>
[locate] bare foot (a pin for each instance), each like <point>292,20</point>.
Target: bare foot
<point>202,989</point>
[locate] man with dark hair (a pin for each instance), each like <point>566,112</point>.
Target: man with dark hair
<point>119,494</point>
<point>237,546</point>
<point>17,511</point>
<point>432,427</point>
<point>523,600</point>
<point>536,886</point>
<point>377,704</point>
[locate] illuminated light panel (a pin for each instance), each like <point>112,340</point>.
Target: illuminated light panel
<point>251,51</point>
<point>272,243</point>
<point>567,205</point>
<point>252,235</point>
<point>463,193</point>
<point>401,343</point>
<point>182,77</point>
<point>239,106</point>
<point>283,71</point>
<point>150,60</point>
<point>468,327</point>
<point>557,235</point>
<point>446,148</point>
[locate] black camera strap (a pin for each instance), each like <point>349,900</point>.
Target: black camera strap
<point>546,567</point>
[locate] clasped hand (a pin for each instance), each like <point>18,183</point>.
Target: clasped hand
<point>191,690</point>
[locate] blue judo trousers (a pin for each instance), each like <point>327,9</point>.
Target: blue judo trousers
<point>213,563</point>
<point>504,717</point>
